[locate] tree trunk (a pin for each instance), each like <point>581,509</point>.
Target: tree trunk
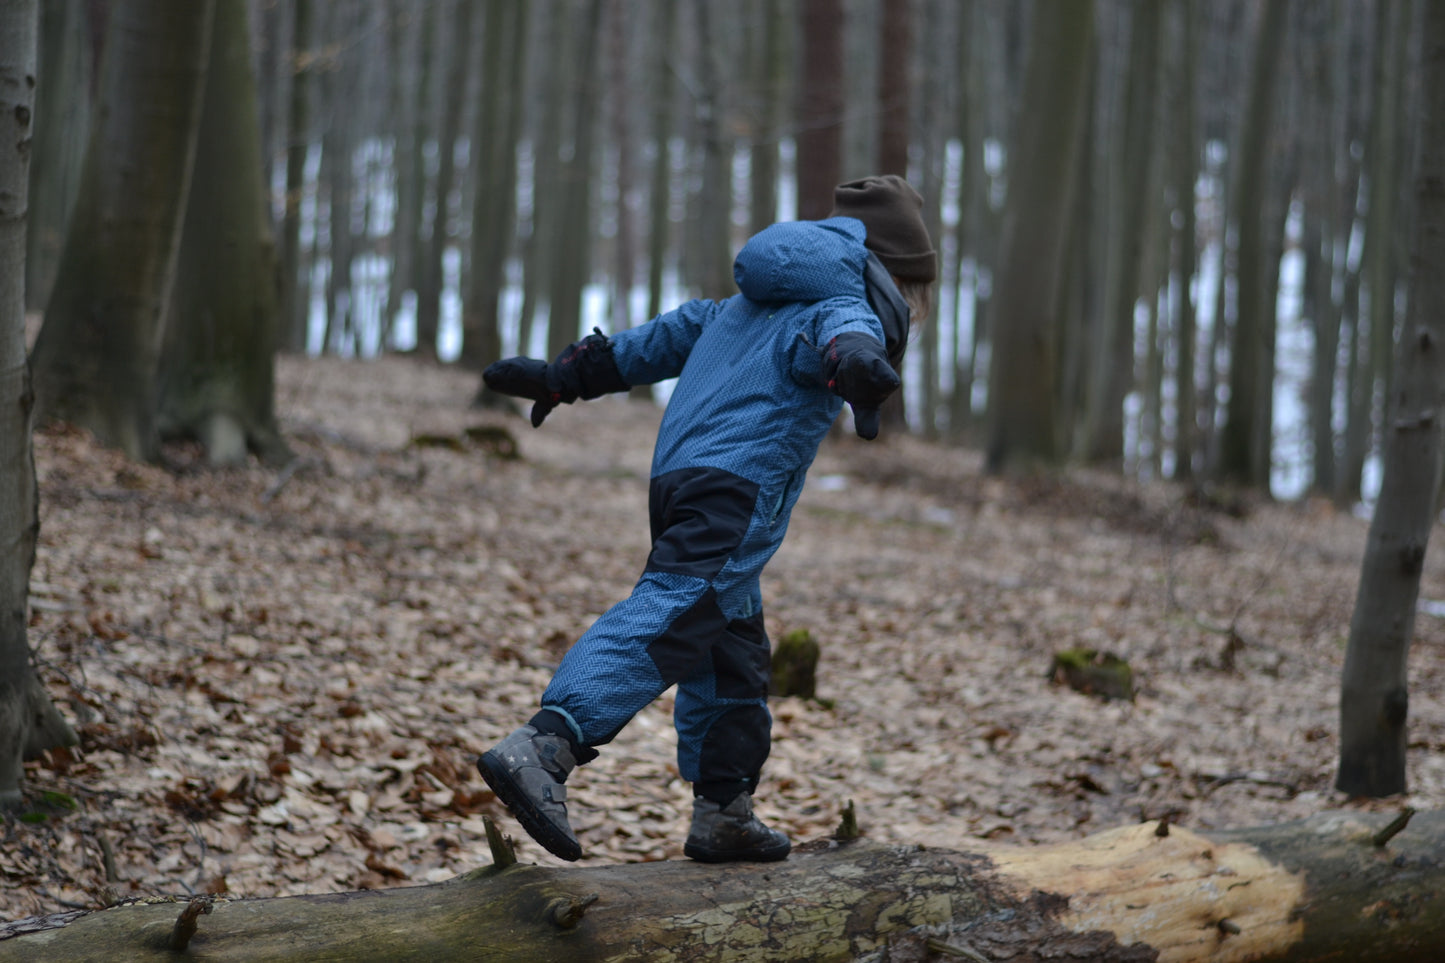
<point>1186,171</point>
<point>1377,256</point>
<point>895,63</point>
<point>494,153</point>
<point>1111,374</point>
<point>664,25</point>
<point>820,108</point>
<point>622,112</point>
<point>217,371</point>
<point>714,215</point>
<point>574,242</point>
<point>454,24</point>
<point>62,106</point>
<point>548,219</point>
<point>29,722</point>
<point>413,82</point>
<point>770,92</point>
<point>1025,429</point>
<point>1240,459</point>
<point>341,86</point>
<point>294,288</point>
<point>95,359</point>
<point>1374,699</point>
<point>1319,889</point>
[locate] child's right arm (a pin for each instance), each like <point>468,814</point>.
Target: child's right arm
<point>598,365</point>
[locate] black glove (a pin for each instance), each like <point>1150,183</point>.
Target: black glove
<point>524,378</point>
<point>856,368</point>
<point>583,370</point>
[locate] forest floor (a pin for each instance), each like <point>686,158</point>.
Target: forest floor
<point>282,679</point>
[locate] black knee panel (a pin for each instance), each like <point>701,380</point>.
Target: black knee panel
<point>735,748</point>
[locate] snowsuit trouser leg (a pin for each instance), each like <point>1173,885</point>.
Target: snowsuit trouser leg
<point>694,619</point>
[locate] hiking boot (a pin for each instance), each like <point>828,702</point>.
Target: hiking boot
<point>526,771</point>
<point>731,833</point>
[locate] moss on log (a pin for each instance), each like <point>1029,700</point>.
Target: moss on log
<point>1313,890</point>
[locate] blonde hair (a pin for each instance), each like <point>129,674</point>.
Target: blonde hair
<point>919,297</point>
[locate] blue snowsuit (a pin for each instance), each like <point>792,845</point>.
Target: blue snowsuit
<point>744,423</point>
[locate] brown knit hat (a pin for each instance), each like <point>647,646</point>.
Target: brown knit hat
<point>892,211</point>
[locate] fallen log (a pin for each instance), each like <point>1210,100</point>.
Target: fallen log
<point>1336,886</point>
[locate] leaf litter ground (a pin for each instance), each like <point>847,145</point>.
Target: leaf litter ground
<point>282,678</point>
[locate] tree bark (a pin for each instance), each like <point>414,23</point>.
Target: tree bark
<point>1319,889</point>
<point>895,63</point>
<point>1111,374</point>
<point>714,272</point>
<point>574,183</point>
<point>29,722</point>
<point>1374,700</point>
<point>96,356</point>
<point>1025,423</point>
<point>820,108</point>
<point>294,287</point>
<point>62,103</point>
<point>455,26</point>
<point>1240,458</point>
<point>1186,172</point>
<point>494,161</point>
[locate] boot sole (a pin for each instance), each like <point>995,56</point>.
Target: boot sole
<point>539,827</point>
<point>771,854</point>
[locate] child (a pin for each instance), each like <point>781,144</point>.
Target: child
<point>822,318</point>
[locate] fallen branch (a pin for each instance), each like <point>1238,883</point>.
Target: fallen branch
<point>1323,888</point>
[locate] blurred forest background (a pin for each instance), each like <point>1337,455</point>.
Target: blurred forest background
<point>1207,201</point>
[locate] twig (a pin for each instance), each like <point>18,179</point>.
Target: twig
<point>186,924</point>
<point>504,854</point>
<point>848,825</point>
<point>1397,825</point>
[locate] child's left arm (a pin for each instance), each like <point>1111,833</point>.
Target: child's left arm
<point>657,350</point>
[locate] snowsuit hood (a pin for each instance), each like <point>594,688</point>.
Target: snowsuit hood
<point>803,261</point>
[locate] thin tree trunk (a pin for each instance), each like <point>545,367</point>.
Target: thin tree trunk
<point>96,357</point>
<point>493,159</point>
<point>659,193</point>
<point>1374,697</point>
<point>820,108</point>
<point>1377,258</point>
<point>1025,422</point>
<point>413,83</point>
<point>294,288</point>
<point>623,93</point>
<point>547,204</point>
<point>714,220</point>
<point>575,243</point>
<point>62,109</point>
<point>1316,890</point>
<point>1111,374</point>
<point>1186,170</point>
<point>455,31</point>
<point>1239,455</point>
<point>770,85</point>
<point>895,62</point>
<point>29,722</point>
